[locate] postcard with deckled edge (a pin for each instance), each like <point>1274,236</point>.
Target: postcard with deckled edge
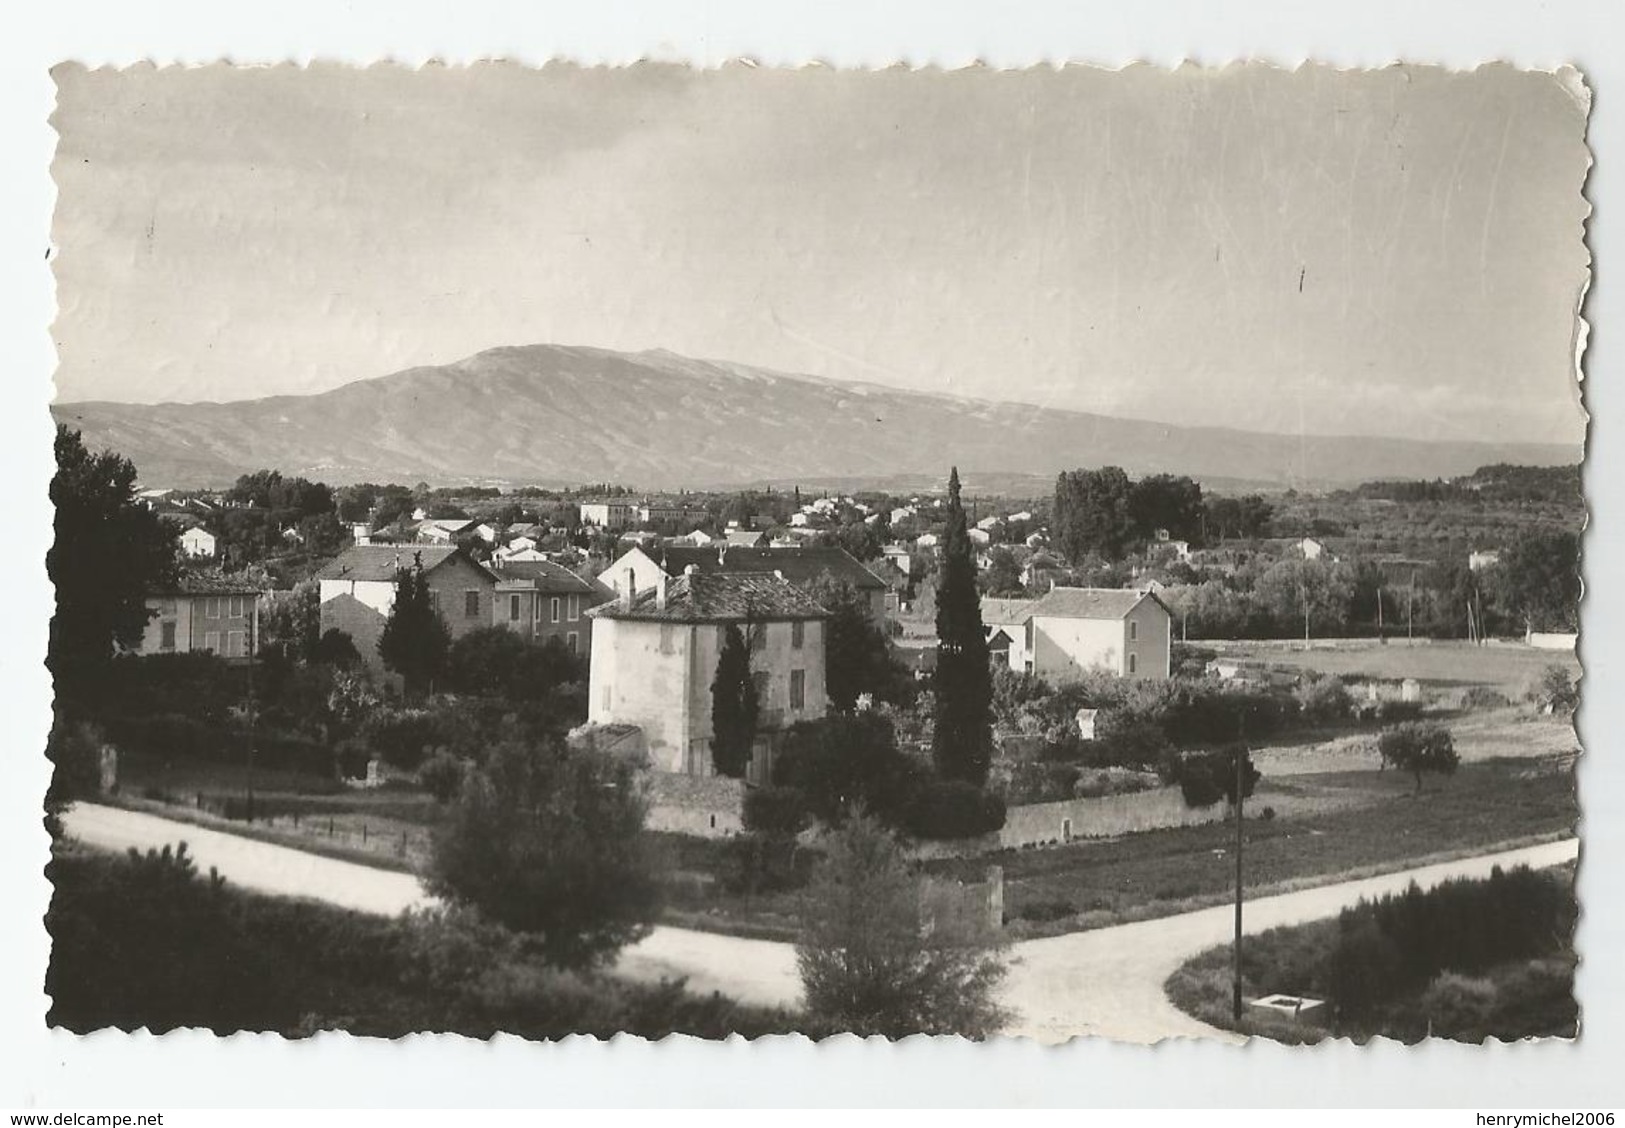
<point>1043,553</point>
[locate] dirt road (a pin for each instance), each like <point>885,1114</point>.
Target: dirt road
<point>1106,983</point>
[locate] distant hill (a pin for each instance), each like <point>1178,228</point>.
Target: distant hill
<point>557,415</point>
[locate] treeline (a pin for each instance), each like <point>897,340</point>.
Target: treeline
<point>1558,485</point>
<point>1107,514</point>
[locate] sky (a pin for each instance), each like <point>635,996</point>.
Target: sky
<point>1396,252</point>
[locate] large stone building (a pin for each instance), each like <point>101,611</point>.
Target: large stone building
<point>654,658</point>
<point>637,569</point>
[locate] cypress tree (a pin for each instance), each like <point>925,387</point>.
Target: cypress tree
<point>415,640</point>
<point>962,742</point>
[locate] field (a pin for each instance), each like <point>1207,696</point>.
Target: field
<point>1439,666</point>
<point>1326,827</point>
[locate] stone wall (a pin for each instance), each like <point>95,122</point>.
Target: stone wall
<point>1036,824</point>
<point>709,806</point>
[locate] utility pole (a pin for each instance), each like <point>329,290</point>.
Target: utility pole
<point>253,625</point>
<point>1410,599</point>
<point>1235,1001</point>
<point>1379,612</point>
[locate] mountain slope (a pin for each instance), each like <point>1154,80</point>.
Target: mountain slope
<point>552,414</point>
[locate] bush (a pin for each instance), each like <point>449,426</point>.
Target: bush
<point>844,762</point>
<point>1097,783</point>
<point>1417,748</point>
<point>764,863</point>
<point>1205,778</point>
<point>402,737</point>
<point>1035,781</point>
<point>953,809</point>
<point>1322,699</point>
<point>1395,711</point>
<point>1554,691</point>
<point>441,775</point>
<point>775,811</point>
<point>1483,697</point>
<point>75,751</point>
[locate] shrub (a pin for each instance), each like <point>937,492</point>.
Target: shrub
<point>775,811</point>
<point>1395,711</point>
<point>1032,781</point>
<point>1417,748</point>
<point>1096,783</point>
<point>441,775</point>
<point>764,863</point>
<point>1322,698</point>
<point>402,737</point>
<point>335,648</point>
<point>75,751</point>
<point>1554,691</point>
<point>1454,1003</point>
<point>1205,778</point>
<point>846,761</point>
<point>953,809</point>
<point>1483,697</point>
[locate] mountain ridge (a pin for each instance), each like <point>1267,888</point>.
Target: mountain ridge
<point>571,414</point>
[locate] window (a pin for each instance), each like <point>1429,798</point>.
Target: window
<point>1133,631</point>
<point>798,633</point>
<point>513,607</point>
<point>234,607</point>
<point>798,689</point>
<point>575,608</point>
<point>471,604</point>
<point>211,641</point>
<point>758,636</point>
<point>1133,663</point>
<point>211,607</point>
<point>572,642</point>
<point>666,638</point>
<point>555,608</point>
<point>536,609</point>
<point>236,644</point>
<point>434,601</point>
<point>168,636</point>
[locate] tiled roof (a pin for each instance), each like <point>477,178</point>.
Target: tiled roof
<point>1088,603</point>
<point>720,597</point>
<point>380,561</point>
<point>210,583</point>
<point>546,575</point>
<point>799,565</point>
<point>1005,612</point>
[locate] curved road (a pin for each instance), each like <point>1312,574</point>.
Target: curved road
<point>1106,983</point>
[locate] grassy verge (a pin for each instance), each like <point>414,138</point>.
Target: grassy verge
<point>383,856</point>
<point>1511,999</point>
<point>1381,828</point>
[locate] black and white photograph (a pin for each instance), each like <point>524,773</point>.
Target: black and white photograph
<point>1041,553</point>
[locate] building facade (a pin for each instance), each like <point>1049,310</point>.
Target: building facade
<point>358,591</point>
<point>1070,632</point>
<point>654,658</point>
<point>203,612</point>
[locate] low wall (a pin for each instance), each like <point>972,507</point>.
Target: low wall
<point>709,806</point>
<point>1551,641</point>
<point>1035,824</point>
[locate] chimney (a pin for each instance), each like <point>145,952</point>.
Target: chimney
<point>628,589</point>
<point>660,592</point>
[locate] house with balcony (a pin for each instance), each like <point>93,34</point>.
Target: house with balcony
<point>655,652</point>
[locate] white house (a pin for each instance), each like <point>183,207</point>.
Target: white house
<point>1069,632</point>
<point>1477,561</point>
<point>979,537</point>
<point>988,524</point>
<point>926,540</point>
<point>1005,621</point>
<point>1311,548</point>
<point>699,538</point>
<point>654,657</point>
<point>198,542</point>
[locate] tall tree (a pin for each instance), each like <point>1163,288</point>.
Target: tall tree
<point>733,706</point>
<point>1092,513</point>
<point>1167,501</point>
<point>1538,580</point>
<point>876,959</point>
<point>415,640</point>
<point>962,741</point>
<point>857,659</point>
<point>548,841</point>
<point>109,551</point>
